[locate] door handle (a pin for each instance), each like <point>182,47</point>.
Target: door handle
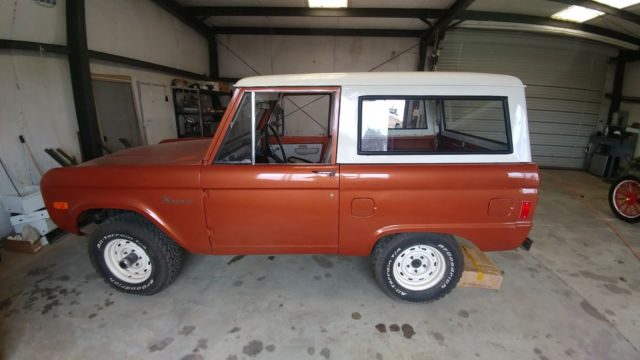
<point>331,173</point>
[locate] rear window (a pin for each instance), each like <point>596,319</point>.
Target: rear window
<point>433,125</point>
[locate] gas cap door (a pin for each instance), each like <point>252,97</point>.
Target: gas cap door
<point>500,208</point>
<point>363,207</point>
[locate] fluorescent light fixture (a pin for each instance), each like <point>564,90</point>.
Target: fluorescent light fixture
<point>328,3</point>
<point>576,14</point>
<point>619,4</point>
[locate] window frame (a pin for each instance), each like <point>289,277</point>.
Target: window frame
<point>334,93</point>
<point>505,110</point>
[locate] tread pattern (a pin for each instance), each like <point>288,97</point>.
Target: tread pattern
<point>172,252</point>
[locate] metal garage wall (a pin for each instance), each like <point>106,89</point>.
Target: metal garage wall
<point>248,55</point>
<point>564,77</point>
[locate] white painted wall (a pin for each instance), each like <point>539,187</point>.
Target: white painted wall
<point>36,98</point>
<point>142,30</point>
<point>36,102</point>
<point>35,95</point>
<point>247,55</point>
<point>30,21</point>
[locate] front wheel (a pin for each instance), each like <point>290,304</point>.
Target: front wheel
<point>133,255</point>
<point>417,267</point>
<point>624,198</point>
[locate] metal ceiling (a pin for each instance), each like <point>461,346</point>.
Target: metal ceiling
<point>426,20</point>
<point>404,18</point>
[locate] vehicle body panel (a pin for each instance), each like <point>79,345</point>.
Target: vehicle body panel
<point>170,196</point>
<point>448,198</point>
<point>266,208</point>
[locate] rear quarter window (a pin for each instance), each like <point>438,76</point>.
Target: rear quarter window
<point>406,125</point>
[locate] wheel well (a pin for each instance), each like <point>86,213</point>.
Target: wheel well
<point>391,236</point>
<point>98,216</point>
<point>101,215</point>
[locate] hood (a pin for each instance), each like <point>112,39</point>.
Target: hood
<point>187,152</point>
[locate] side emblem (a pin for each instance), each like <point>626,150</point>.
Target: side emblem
<point>167,200</point>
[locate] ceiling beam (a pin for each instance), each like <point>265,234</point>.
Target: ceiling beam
<point>226,30</point>
<point>439,27</point>
<point>544,21</point>
<point>181,14</point>
<point>192,12</point>
<point>206,11</point>
<point>630,56</point>
<point>33,46</point>
<point>609,10</point>
<point>452,13</point>
<point>99,55</point>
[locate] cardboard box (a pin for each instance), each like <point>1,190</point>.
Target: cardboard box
<point>479,271</point>
<point>22,246</point>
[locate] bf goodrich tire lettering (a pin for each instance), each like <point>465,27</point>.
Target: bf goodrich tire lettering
<point>155,265</point>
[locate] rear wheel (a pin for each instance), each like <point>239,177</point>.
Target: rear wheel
<point>133,255</point>
<point>624,198</point>
<point>417,267</point>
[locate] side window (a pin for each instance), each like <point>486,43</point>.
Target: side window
<point>433,125</point>
<point>236,146</point>
<point>290,127</point>
<point>306,115</point>
<point>480,118</point>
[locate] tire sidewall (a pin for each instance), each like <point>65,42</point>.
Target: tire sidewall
<point>612,193</point>
<point>453,269</point>
<point>112,232</point>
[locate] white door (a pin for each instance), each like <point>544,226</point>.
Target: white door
<point>116,114</point>
<point>156,108</point>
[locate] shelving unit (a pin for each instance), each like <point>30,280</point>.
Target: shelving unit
<point>198,111</point>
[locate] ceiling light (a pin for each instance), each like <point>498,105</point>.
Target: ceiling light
<point>328,3</point>
<point>576,14</point>
<point>619,4</point>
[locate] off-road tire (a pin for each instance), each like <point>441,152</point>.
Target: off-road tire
<point>386,254</point>
<point>165,256</point>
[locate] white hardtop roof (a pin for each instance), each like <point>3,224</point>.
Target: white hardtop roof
<point>427,78</point>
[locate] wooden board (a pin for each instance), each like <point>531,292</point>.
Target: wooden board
<point>479,271</point>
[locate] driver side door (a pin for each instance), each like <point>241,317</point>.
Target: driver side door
<point>258,200</point>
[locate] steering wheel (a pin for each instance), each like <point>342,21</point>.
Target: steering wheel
<point>267,145</point>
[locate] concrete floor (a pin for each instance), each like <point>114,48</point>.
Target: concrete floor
<point>575,295</point>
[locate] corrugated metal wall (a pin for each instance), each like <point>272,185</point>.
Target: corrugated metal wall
<point>565,80</point>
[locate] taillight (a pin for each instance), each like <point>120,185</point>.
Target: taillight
<point>524,211</point>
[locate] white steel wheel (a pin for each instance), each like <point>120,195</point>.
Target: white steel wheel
<point>419,267</point>
<point>127,261</point>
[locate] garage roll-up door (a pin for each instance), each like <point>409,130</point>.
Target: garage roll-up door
<point>565,80</point>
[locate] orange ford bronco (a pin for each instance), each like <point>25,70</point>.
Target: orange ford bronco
<point>386,165</point>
